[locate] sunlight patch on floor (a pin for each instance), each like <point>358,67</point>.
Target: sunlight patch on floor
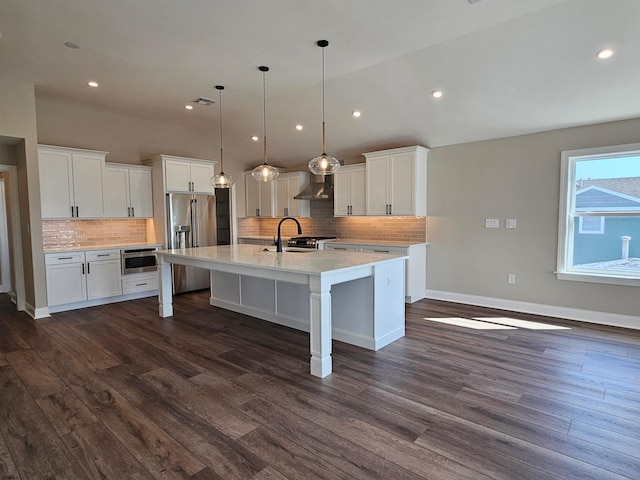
<point>514,322</point>
<point>465,322</point>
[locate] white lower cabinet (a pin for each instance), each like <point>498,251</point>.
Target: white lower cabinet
<point>139,282</point>
<point>81,276</point>
<point>415,282</point>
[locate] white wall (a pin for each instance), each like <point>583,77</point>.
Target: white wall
<point>516,177</point>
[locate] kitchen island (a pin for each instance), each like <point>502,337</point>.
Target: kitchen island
<point>353,297</point>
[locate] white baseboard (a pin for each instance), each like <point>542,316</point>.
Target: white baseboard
<point>590,316</point>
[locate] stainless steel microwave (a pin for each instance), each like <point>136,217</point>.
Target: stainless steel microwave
<point>138,260</point>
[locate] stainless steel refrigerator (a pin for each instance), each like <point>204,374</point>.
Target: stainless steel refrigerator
<point>193,221</point>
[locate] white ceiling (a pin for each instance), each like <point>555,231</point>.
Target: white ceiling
<point>506,67</point>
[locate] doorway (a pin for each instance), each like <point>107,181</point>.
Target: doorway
<point>5,266</point>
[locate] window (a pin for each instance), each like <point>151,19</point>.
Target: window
<point>599,230</point>
<point>591,225</point>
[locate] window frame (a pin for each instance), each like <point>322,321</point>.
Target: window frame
<point>582,231</point>
<point>567,215</point>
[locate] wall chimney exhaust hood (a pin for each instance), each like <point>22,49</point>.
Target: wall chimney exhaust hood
<point>320,188</point>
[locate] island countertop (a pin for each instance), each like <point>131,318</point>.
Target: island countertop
<point>307,261</point>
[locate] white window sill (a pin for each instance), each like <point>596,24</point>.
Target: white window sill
<point>594,278</point>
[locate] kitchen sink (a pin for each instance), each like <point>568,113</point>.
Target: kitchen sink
<point>290,250</point>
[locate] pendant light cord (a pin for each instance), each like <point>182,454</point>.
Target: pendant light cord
<point>264,113</point>
<point>324,136</point>
<point>220,88</point>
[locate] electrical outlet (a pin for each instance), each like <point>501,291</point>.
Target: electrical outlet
<point>492,223</point>
<point>510,223</point>
<point>511,278</point>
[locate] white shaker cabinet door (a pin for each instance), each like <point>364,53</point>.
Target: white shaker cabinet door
<point>140,193</point>
<point>56,184</point>
<point>103,279</point>
<point>177,176</point>
<point>201,174</point>
<point>378,185</point>
<point>116,192</point>
<point>88,172</point>
<point>401,184</point>
<point>66,283</point>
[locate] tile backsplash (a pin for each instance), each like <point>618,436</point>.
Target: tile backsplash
<point>90,233</point>
<point>322,222</point>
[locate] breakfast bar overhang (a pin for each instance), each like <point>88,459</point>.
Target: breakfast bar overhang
<point>363,292</point>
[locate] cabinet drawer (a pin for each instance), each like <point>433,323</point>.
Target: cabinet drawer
<point>96,255</point>
<point>344,247</point>
<point>61,258</point>
<point>139,283</point>
<point>383,249</point>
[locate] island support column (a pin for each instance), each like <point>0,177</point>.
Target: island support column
<point>165,309</point>
<point>320,327</point>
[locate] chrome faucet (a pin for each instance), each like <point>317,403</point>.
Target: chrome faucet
<point>279,241</point>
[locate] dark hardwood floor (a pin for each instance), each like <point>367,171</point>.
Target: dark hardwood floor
<point>117,392</point>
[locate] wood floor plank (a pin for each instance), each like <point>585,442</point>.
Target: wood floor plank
<point>66,412</point>
<point>375,439</point>
<point>154,448</point>
<point>180,392</point>
<point>288,457</point>
<point>223,455</point>
<point>34,373</point>
<point>35,447</point>
<point>8,469</point>
<point>100,455</point>
<point>334,449</point>
<point>627,444</point>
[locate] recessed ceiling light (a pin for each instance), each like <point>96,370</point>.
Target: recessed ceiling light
<point>93,84</point>
<point>189,107</point>
<point>436,93</point>
<point>71,45</point>
<point>299,127</point>
<point>356,113</point>
<point>604,53</point>
<point>255,138</point>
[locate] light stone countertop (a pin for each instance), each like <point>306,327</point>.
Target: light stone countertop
<point>307,261</point>
<point>102,247</point>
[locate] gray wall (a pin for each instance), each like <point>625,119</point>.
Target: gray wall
<point>18,124</point>
<point>517,177</point>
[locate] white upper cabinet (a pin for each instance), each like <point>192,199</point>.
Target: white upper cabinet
<point>259,197</point>
<point>127,191</point>
<point>188,175</point>
<point>71,182</point>
<point>287,186</point>
<point>396,182</point>
<point>349,191</point>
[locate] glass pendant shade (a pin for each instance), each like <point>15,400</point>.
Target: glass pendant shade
<point>221,180</point>
<point>265,173</point>
<point>324,164</point>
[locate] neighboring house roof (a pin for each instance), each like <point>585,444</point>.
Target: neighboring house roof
<point>597,197</point>
<point>627,186</point>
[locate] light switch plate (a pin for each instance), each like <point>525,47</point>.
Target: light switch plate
<point>492,223</point>
<point>510,223</point>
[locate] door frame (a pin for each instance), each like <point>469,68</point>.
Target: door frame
<point>14,227</point>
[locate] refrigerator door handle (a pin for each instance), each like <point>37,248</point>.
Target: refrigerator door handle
<point>195,235</point>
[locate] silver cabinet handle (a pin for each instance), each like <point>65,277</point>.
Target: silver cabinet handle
<point>381,251</point>
<point>103,255</point>
<point>71,212</point>
<point>83,268</point>
<point>65,258</point>
<point>339,248</point>
<point>88,268</point>
<point>140,284</point>
<point>133,212</point>
<point>257,212</point>
<point>77,214</point>
<point>286,211</point>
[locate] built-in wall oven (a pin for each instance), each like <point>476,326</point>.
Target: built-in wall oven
<point>138,260</point>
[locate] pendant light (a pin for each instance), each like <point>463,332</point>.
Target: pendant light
<point>221,180</point>
<point>264,172</point>
<point>324,164</point>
